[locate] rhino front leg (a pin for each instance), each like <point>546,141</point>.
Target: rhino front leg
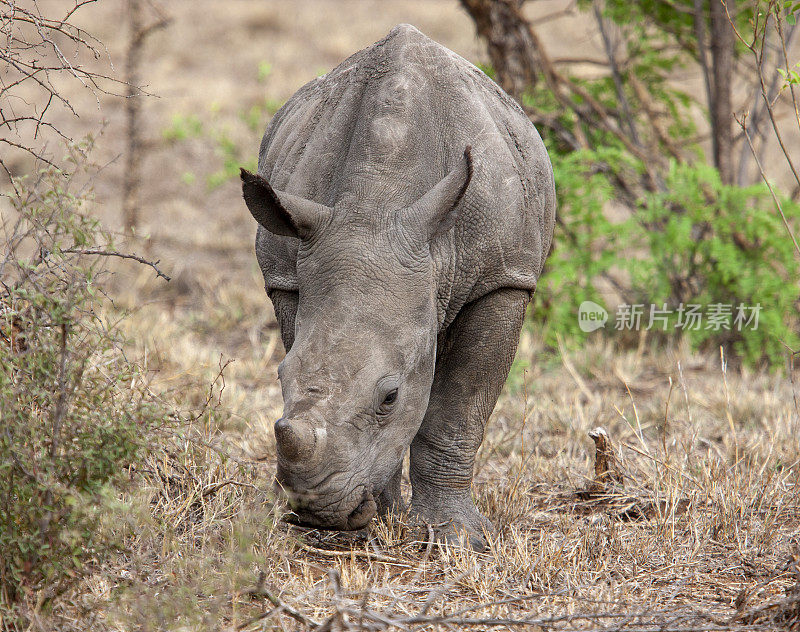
<point>472,365</point>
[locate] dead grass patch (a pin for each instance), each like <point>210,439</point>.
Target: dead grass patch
<point>700,535</point>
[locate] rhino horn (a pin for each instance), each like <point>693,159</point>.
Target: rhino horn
<point>297,439</point>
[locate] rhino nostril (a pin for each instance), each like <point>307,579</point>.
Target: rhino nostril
<point>296,439</point>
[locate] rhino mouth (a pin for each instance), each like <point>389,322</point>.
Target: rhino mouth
<point>361,515</point>
<point>342,516</point>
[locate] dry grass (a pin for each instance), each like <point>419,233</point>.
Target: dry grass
<point>701,537</point>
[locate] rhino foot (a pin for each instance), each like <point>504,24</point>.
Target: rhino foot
<point>459,525</point>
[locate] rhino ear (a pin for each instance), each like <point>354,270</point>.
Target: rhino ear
<point>437,210</point>
<point>281,213</point>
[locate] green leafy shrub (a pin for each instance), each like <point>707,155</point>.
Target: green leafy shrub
<point>75,411</point>
<point>642,220</point>
<point>712,244</point>
<point>587,246</point>
<point>697,242</point>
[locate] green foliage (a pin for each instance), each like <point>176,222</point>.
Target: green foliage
<point>641,217</point>
<point>222,136</point>
<point>230,156</point>
<point>183,128</point>
<point>664,22</point>
<point>697,242</point>
<point>649,70</point>
<point>487,69</point>
<point>75,411</point>
<point>792,76</point>
<point>264,70</point>
<point>791,9</point>
<point>716,244</point>
<point>587,245</point>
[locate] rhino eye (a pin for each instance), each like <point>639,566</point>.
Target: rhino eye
<point>388,402</point>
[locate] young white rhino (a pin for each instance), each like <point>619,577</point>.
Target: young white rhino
<point>405,207</point>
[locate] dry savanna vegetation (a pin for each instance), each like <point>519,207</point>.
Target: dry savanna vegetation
<point>637,482</point>
<point>699,534</point>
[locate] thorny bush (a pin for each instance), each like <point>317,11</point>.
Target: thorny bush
<point>74,411</point>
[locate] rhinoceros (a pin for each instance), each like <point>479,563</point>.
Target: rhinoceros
<point>405,206</point>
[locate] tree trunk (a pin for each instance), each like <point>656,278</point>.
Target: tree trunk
<point>720,108</point>
<point>130,185</point>
<point>508,42</point>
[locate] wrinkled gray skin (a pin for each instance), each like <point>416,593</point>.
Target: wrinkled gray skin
<point>406,205</point>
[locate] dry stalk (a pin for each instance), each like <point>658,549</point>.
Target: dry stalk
<point>137,34</point>
<point>728,415</point>
<point>742,121</point>
<point>607,473</point>
<point>756,46</point>
<point>352,553</point>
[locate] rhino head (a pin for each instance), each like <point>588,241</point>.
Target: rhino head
<point>357,378</point>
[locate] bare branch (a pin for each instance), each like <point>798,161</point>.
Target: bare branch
<point>615,74</point>
<point>38,49</point>
<point>138,33</point>
<point>743,123</point>
<point>756,47</point>
<point>785,44</point>
<point>120,255</point>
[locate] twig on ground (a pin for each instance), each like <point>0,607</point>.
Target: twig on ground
<point>347,554</point>
<point>261,590</point>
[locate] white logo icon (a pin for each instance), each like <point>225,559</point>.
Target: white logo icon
<point>591,316</point>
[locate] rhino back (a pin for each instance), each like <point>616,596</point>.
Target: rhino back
<point>384,127</point>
